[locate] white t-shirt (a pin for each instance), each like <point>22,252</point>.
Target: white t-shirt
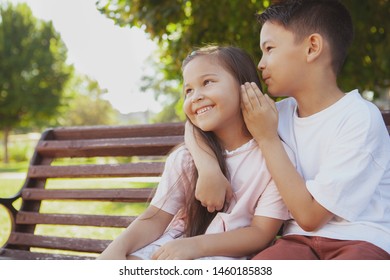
<point>254,190</point>
<point>343,153</point>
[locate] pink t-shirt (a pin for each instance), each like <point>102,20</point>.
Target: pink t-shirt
<point>254,190</point>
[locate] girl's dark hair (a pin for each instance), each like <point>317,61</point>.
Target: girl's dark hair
<point>238,63</point>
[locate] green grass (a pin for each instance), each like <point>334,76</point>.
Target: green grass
<point>8,188</point>
<point>14,167</point>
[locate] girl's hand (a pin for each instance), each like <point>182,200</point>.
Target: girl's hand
<point>178,249</point>
<point>260,113</point>
<point>212,187</point>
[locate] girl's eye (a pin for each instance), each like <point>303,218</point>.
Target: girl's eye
<point>188,91</point>
<point>268,49</point>
<point>206,82</point>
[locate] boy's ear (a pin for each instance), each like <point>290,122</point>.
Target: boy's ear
<point>315,45</point>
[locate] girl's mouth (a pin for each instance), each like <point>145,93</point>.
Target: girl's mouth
<point>203,110</point>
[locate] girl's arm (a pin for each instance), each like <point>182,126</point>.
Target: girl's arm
<point>212,187</point>
<point>145,229</point>
<point>235,243</point>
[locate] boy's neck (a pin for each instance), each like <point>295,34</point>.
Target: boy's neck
<point>315,100</point>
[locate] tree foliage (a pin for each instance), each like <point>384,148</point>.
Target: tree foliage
<point>179,26</point>
<point>32,68</point>
<point>368,64</point>
<point>85,104</point>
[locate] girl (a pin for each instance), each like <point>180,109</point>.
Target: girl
<point>176,225</point>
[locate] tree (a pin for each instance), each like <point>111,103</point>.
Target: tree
<point>32,69</point>
<point>368,63</point>
<point>85,104</point>
<point>180,25</point>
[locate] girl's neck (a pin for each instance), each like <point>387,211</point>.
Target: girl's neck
<point>233,140</point>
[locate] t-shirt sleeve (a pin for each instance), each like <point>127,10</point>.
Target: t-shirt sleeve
<point>355,164</point>
<point>270,203</point>
<point>175,182</point>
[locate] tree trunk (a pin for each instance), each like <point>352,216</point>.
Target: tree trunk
<point>6,134</point>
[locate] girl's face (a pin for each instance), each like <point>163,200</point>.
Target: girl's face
<point>212,97</point>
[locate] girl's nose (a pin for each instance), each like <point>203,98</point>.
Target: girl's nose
<point>197,96</point>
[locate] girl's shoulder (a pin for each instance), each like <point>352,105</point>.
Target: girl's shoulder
<point>180,155</point>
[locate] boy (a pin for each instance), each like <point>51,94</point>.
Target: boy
<point>339,195</point>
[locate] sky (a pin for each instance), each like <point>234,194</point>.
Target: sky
<point>113,56</point>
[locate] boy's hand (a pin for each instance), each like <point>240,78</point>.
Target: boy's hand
<point>260,113</point>
<point>212,187</point>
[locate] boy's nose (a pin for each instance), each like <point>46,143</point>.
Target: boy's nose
<point>261,65</point>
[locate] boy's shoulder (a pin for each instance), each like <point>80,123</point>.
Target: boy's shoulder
<point>352,104</point>
<point>286,107</point>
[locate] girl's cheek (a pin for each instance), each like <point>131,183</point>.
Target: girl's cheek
<point>187,108</point>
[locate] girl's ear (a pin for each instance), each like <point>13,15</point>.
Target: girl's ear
<point>315,45</point>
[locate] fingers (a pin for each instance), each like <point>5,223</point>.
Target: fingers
<point>252,97</point>
<point>156,255</point>
<point>271,102</point>
<point>213,207</point>
<point>228,196</point>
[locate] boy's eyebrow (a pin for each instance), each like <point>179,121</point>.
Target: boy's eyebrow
<point>263,44</point>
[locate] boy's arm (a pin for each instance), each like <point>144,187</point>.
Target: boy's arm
<point>148,227</point>
<point>212,187</point>
<point>261,118</point>
<point>235,243</point>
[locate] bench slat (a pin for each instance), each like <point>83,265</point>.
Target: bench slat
<point>101,132</point>
<point>28,218</point>
<point>14,254</point>
<point>117,195</point>
<point>109,147</point>
<point>141,169</point>
<point>61,243</point>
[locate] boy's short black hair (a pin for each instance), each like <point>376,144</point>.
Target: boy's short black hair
<point>329,18</point>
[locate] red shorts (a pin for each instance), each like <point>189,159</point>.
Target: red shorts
<point>298,247</point>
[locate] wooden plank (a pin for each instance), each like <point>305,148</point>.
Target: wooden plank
<point>27,218</point>
<point>109,147</point>
<point>101,132</point>
<point>141,169</point>
<point>117,195</point>
<point>14,254</point>
<point>386,117</point>
<point>60,243</point>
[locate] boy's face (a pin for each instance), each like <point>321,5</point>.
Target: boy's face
<point>283,61</point>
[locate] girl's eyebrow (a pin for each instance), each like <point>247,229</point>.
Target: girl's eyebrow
<point>202,76</point>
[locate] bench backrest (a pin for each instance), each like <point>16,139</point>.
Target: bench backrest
<point>66,196</point>
<point>122,153</point>
<point>386,118</point>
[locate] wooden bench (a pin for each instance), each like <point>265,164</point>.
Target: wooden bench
<point>120,153</point>
<point>127,151</point>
